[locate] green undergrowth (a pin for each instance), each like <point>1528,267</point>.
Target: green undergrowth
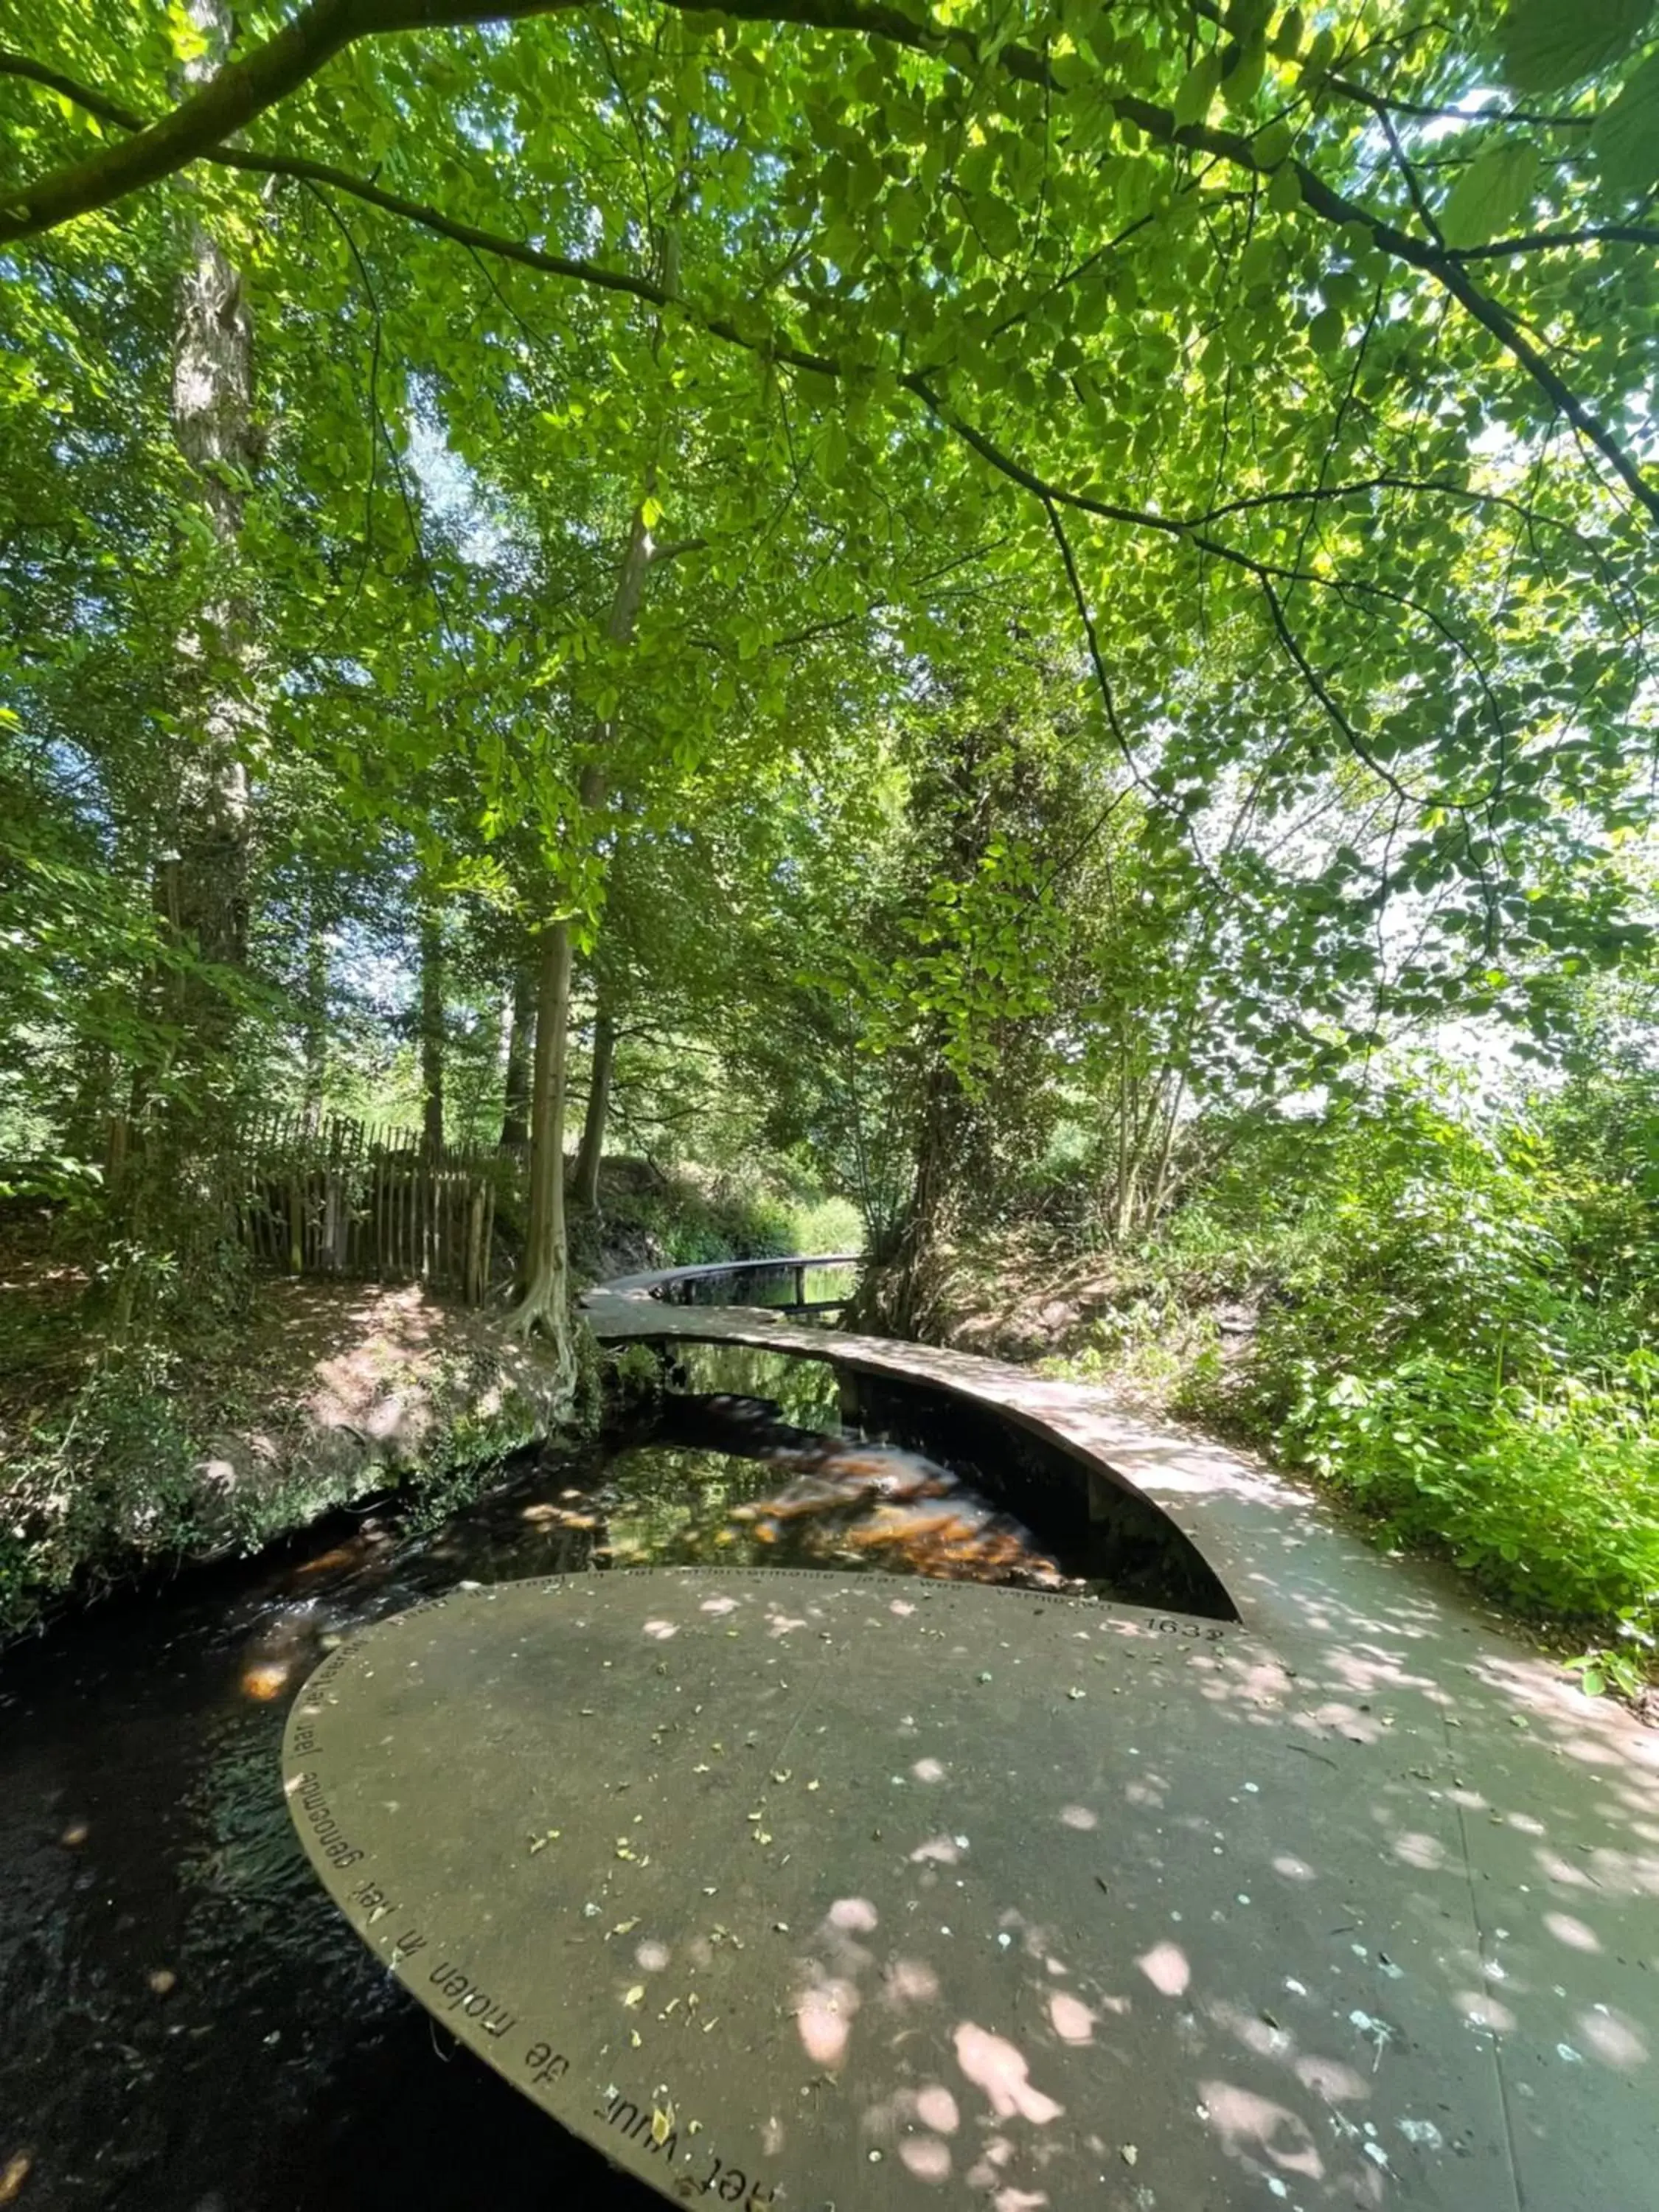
<point>686,1218</point>
<point>1453,1328</point>
<point>105,1477</point>
<point>117,1477</point>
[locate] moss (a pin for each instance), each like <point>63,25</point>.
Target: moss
<point>115,1476</point>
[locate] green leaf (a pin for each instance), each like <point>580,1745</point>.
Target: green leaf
<point>1259,263</point>
<point>1493,190</point>
<point>1243,80</point>
<point>1625,139</point>
<point>1326,330</point>
<point>189,41</point>
<point>1197,88</point>
<point>1320,53</point>
<point>1549,43</point>
<point>1284,192</point>
<point>1271,145</point>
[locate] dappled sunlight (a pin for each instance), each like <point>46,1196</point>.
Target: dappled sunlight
<point>1072,1860</point>
<point>1256,2130</point>
<point>1331,2079</point>
<point>936,2108</point>
<point>1617,2041</point>
<point>916,2124</point>
<point>927,2158</point>
<point>910,1982</point>
<point>1481,2010</point>
<point>1001,2071</point>
<point>266,1680</point>
<point>1072,2020</point>
<point>854,1916</point>
<point>543,1515</point>
<point>824,2019</point>
<point>1570,1931</point>
<point>338,1557</point>
<point>1166,1968</point>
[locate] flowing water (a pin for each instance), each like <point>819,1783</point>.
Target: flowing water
<point>186,2024</point>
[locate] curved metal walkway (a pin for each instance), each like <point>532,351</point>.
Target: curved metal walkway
<point>1483,1760</point>
<point>807,1890</point>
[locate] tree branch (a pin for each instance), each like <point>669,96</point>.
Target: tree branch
<point>1548,241</point>
<point>230,99</point>
<point>246,88</point>
<point>768,347</point>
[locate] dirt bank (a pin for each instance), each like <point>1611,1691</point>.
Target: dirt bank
<point>314,1394</point>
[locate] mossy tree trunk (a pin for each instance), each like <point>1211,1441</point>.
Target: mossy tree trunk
<point>521,1040</point>
<point>586,1189</point>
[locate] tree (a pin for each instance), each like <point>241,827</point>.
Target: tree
<point>1201,348</point>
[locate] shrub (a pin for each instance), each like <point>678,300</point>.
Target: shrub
<point>107,1477</point>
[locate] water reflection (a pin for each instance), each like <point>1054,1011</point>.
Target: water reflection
<point>789,1496</point>
<point>912,1480</point>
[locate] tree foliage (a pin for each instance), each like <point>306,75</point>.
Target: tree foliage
<point>966,574</point>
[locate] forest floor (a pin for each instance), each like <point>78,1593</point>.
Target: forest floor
<point>224,1430</point>
<point>1022,1299</point>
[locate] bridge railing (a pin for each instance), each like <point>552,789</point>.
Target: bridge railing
<point>748,1282</point>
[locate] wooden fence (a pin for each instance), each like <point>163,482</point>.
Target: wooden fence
<point>341,1197</point>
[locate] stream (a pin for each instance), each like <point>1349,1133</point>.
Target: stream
<point>189,2024</point>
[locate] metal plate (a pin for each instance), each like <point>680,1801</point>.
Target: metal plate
<point>786,1889</point>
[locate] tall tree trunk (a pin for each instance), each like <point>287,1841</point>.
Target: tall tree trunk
<point>432,1034</point>
<point>899,1292</point>
<point>206,893</point>
<point>516,1103</point>
<point>316,1017</point>
<point>200,876</point>
<point>588,1158</point>
<point>545,1306</point>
